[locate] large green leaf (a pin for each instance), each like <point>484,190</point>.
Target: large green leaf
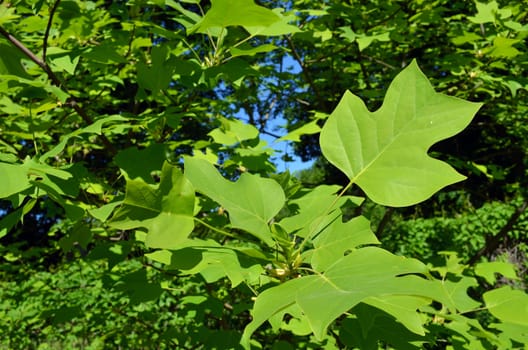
<point>369,274</point>
<point>166,212</point>
<point>385,152</point>
<point>251,202</point>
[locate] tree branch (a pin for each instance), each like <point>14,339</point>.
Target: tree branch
<point>306,73</point>
<point>56,81</point>
<point>493,242</point>
<point>48,28</point>
<point>384,221</point>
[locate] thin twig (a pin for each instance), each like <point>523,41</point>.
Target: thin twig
<point>264,131</point>
<point>56,81</point>
<point>378,61</point>
<point>29,54</point>
<point>48,28</point>
<point>384,221</point>
<point>306,73</point>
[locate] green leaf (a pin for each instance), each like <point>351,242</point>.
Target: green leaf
<point>37,168</point>
<point>280,27</point>
<point>310,207</point>
<point>7,14</point>
<point>295,135</point>
<point>10,60</point>
<point>212,260</point>
<point>14,179</point>
<point>403,308</point>
<point>489,269</point>
<point>141,162</point>
<point>95,128</point>
<point>225,13</point>
<point>487,12</point>
<point>251,202</point>
<point>251,51</point>
<point>233,131</point>
<point>371,325</point>
<point>340,238</point>
<point>166,212</point>
<point>65,63</point>
<point>10,220</point>
<point>362,275</point>
<point>385,152</point>
<point>508,305</point>
<point>104,212</point>
<point>158,75</point>
<point>503,47</point>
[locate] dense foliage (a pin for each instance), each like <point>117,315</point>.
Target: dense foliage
<point>141,206</point>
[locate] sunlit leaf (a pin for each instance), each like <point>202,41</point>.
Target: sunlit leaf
<point>385,152</point>
<point>364,273</point>
<point>295,135</point>
<point>225,13</point>
<point>233,131</point>
<point>508,305</point>
<point>251,201</point>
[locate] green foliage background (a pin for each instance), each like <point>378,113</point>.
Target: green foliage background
<point>141,206</point>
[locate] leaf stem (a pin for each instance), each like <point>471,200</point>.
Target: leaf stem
<point>325,213</point>
<point>214,228</point>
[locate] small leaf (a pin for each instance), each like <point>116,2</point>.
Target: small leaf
<point>7,14</point>
<point>503,47</point>
<point>385,152</point>
<point>487,12</point>
<point>251,202</point>
<point>295,135</point>
<point>251,51</point>
<point>95,128</point>
<point>233,131</point>
<point>65,63</point>
<point>9,221</point>
<point>280,27</point>
<point>403,308</point>
<point>489,269</point>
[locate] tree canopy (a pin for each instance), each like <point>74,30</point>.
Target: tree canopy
<point>141,204</point>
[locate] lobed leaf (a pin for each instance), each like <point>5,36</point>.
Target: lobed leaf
<point>370,275</point>
<point>385,152</point>
<point>251,201</point>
